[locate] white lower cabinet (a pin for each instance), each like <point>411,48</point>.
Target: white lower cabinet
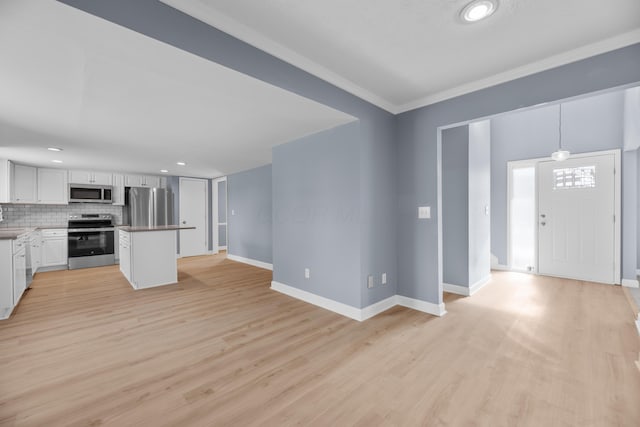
<point>124,252</point>
<point>54,248</point>
<point>148,259</point>
<point>35,241</point>
<point>13,273</point>
<point>19,275</point>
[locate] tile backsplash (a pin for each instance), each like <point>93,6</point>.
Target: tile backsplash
<point>37,215</point>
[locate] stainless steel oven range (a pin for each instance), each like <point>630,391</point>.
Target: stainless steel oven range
<point>91,240</point>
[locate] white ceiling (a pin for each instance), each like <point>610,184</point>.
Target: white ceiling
<point>117,100</point>
<point>402,54</point>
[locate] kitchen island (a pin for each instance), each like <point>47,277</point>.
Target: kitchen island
<point>148,255</point>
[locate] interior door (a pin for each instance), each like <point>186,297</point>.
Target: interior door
<point>193,213</point>
<point>576,227</point>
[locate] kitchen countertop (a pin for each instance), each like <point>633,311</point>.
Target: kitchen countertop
<point>136,229</point>
<point>12,233</point>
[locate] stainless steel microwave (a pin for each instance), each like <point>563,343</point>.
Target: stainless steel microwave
<point>87,193</point>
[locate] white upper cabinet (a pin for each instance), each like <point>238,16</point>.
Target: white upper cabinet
<point>133,180</point>
<point>118,189</point>
<point>89,177</point>
<point>79,177</point>
<point>151,181</point>
<point>28,184</point>
<point>52,186</point>
<point>5,179</point>
<point>24,184</point>
<point>102,178</point>
<point>142,181</point>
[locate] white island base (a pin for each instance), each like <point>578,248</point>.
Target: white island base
<point>148,256</point>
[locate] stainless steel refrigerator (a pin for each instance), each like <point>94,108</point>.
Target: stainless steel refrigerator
<point>148,206</point>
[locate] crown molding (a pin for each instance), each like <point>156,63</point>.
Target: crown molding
<point>246,34</point>
<point>257,40</point>
<point>613,43</point>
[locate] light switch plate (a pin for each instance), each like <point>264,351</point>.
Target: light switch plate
<point>424,212</point>
<point>384,278</point>
<point>307,273</point>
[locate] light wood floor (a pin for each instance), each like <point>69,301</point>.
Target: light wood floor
<point>222,349</point>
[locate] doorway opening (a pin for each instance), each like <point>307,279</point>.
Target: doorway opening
<point>562,217</point>
<point>522,225</point>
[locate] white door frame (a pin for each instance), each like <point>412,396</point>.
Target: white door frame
<point>215,223</point>
<point>617,160</point>
<point>206,222</point>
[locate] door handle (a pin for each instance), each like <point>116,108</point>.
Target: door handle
<point>184,222</point>
<point>543,223</point>
<point>543,216</point>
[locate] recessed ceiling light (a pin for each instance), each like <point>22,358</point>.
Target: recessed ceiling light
<point>478,10</point>
<point>181,164</point>
<point>56,161</point>
<point>164,171</point>
<point>54,149</point>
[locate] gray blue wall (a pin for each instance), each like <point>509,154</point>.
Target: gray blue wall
<point>416,155</point>
<point>638,215</point>
<point>417,149</point>
<point>376,136</point>
<point>249,220</point>
<point>378,201</point>
<point>455,205</point>
<point>466,193</point>
<point>479,200</point>
<point>316,214</point>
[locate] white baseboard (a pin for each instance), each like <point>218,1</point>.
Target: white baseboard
<point>326,303</point>
<point>250,261</point>
<point>463,290</point>
<point>479,284</point>
<point>222,248</point>
<point>424,306</point>
<point>52,268</point>
<point>377,308</point>
<point>359,314</point>
<point>456,289</point>
<point>495,264</point>
<point>630,283</point>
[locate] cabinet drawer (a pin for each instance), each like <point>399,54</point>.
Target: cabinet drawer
<point>19,245</point>
<point>54,233</point>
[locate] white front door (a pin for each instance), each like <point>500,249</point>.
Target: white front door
<point>193,213</point>
<point>576,228</point>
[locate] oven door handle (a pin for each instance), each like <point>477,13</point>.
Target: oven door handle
<point>82,230</point>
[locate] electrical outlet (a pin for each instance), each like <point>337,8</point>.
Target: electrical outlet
<point>370,282</point>
<point>307,273</point>
<point>384,278</point>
